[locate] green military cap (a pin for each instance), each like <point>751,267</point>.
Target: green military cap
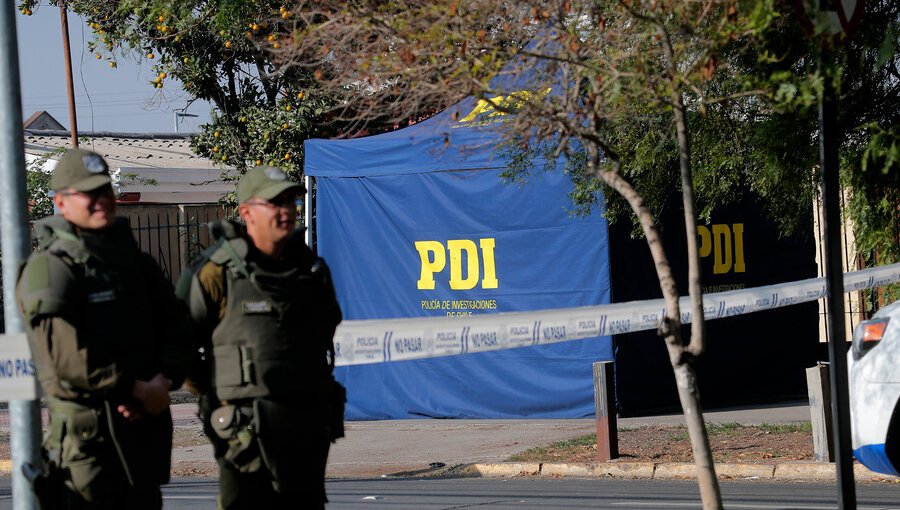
<point>265,182</point>
<point>80,170</point>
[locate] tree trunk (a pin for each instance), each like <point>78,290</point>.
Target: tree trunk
<point>670,330</point>
<point>685,377</point>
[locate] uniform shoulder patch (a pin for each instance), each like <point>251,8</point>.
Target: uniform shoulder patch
<point>37,273</point>
<point>44,286</point>
<point>212,278</point>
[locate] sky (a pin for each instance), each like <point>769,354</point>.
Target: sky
<point>119,100</point>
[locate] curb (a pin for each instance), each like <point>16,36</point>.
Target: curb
<point>799,471</point>
<point>794,472</point>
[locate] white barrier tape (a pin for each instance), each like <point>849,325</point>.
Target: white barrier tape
<point>376,341</point>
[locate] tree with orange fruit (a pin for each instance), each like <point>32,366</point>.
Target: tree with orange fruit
<point>222,52</point>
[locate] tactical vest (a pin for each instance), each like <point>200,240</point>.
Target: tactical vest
<point>268,344</point>
<point>108,302</point>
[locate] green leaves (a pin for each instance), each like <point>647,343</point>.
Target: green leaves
<point>263,135</point>
<point>225,52</point>
<point>883,149</point>
<point>37,186</point>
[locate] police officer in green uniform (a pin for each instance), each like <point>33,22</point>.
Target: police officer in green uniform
<point>265,313</point>
<point>109,341</point>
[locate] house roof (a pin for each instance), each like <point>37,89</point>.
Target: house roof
<point>148,150</point>
<point>149,168</point>
<point>42,120</point>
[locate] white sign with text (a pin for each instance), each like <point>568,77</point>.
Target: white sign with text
<point>17,376</point>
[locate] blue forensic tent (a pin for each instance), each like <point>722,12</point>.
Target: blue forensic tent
<point>418,222</point>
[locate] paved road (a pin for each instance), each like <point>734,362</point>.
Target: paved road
<point>534,494</point>
<point>573,494</point>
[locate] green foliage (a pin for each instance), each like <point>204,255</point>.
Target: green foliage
<point>562,451</point>
<point>785,428</point>
<point>37,184</point>
<point>724,429</point>
<point>39,194</point>
<point>264,135</point>
<point>132,177</point>
<point>864,74</point>
<point>754,126</point>
<point>874,204</point>
<point>678,434</point>
<point>548,451</point>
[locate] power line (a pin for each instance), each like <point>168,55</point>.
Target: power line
<point>45,105</point>
<point>55,96</point>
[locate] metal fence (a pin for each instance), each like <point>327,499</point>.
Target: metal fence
<point>173,234</point>
<point>860,305</point>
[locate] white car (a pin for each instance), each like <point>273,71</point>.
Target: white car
<point>874,374</point>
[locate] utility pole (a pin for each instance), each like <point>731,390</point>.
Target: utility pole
<point>829,140</point>
<point>24,415</point>
<point>830,24</point>
<point>64,21</point>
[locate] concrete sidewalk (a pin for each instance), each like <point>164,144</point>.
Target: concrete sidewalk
<point>431,447</point>
<point>386,447</point>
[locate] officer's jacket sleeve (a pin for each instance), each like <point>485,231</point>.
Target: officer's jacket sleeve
<point>48,297</point>
<point>176,343</point>
<point>206,303</point>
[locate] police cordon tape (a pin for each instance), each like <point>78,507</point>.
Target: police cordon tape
<point>378,341</point>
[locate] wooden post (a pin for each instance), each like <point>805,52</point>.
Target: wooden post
<point>605,411</point>
<point>819,387</point>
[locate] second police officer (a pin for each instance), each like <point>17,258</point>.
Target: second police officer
<point>265,313</point>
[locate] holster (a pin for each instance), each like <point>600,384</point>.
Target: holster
<point>80,454</point>
<point>237,427</point>
<point>97,449</point>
